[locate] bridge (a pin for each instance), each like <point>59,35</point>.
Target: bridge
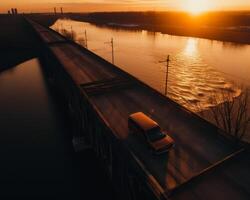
<point>204,164</point>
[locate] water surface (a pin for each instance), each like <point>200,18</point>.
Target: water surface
<point>32,140</point>
<point>36,152</point>
<point>198,68</point>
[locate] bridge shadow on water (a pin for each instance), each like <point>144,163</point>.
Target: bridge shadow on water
<point>14,57</point>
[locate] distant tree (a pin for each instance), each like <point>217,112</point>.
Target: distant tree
<point>227,112</point>
<point>71,35</point>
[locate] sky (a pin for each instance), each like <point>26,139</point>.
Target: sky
<point>194,6</point>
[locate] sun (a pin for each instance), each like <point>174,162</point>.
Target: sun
<point>196,7</point>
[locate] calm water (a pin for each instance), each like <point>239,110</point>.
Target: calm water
<point>199,68</point>
<point>24,93</point>
<point>36,153</point>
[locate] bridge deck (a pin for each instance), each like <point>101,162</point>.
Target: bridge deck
<point>198,145</point>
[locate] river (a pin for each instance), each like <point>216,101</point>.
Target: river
<point>36,152</point>
<point>198,68</point>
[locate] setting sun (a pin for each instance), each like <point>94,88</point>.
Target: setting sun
<point>196,7</point>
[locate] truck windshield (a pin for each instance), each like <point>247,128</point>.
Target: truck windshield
<point>155,134</point>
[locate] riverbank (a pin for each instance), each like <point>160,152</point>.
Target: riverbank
<point>223,26</point>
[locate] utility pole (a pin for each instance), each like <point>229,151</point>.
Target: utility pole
<point>167,67</point>
<point>72,34</point>
<point>55,10</point>
<point>112,47</point>
<point>86,39</point>
<point>61,11</point>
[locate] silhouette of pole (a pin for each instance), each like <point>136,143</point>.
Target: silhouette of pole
<point>167,70</point>
<point>61,10</point>
<point>71,33</point>
<point>55,10</point>
<point>86,39</point>
<point>112,47</point>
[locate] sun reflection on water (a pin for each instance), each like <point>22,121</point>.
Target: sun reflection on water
<point>193,81</point>
<point>191,47</point>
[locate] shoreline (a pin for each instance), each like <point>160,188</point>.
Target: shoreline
<point>236,37</point>
<point>222,26</point>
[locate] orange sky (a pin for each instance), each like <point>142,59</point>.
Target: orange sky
<point>123,5</point>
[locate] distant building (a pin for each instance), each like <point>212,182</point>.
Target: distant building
<point>15,10</point>
<point>12,11</point>
<point>9,12</point>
